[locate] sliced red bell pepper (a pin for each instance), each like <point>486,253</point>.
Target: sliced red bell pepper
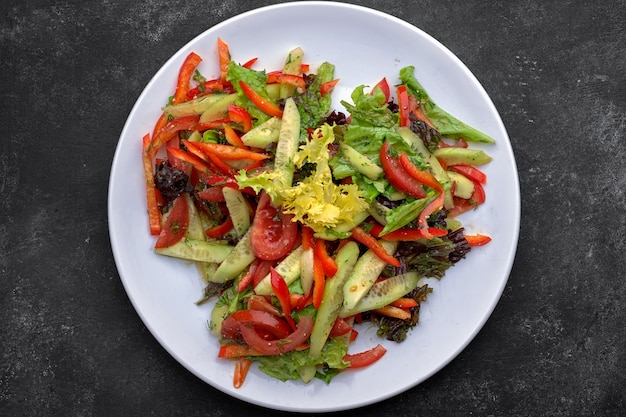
<point>184,75</point>
<point>308,241</point>
<point>264,104</point>
<point>328,263</point>
<point>372,243</point>
<point>416,110</point>
<point>340,327</point>
<point>160,124</point>
<point>248,64</point>
<point>154,215</point>
<point>282,293</point>
<point>470,172</point>
<point>394,312</point>
<point>170,130</point>
<point>405,302</point>
<point>397,175</point>
<point>368,357</point>
<point>223,53</point>
<point>278,77</point>
<point>189,158</point>
<point>403,105</point>
<point>277,347</point>
<point>319,281</point>
<point>233,138</point>
<point>477,240</point>
<point>328,86</point>
<point>421,176</point>
<point>236,351</point>
<point>227,152</point>
<point>221,229</point>
<point>240,116</point>
<point>209,158</point>
<point>207,87</point>
<point>213,194</point>
<point>176,224</point>
<point>383,85</point>
<point>242,366</point>
<point>213,124</point>
<point>407,234</point>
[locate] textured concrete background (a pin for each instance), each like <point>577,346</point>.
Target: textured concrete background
<point>71,343</point>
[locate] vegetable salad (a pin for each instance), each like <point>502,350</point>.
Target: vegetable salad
<point>305,221</point>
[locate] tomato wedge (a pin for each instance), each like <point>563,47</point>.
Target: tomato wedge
<point>176,224</point>
<point>234,323</point>
<point>280,346</point>
<point>368,357</point>
<point>273,234</point>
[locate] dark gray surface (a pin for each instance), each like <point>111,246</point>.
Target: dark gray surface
<point>71,343</point>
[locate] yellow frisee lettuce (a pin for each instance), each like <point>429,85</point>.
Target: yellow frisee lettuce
<point>315,201</point>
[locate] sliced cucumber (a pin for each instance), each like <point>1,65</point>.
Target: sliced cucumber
<point>237,260</point>
<point>465,156</point>
<point>197,250</point>
<point>306,270</point>
<point>307,373</point>
<point>365,272</point>
<point>264,134</point>
<point>464,187</point>
<point>288,268</point>
<point>384,292</point>
<point>292,66</point>
<point>342,229</point>
<point>287,146</point>
<point>238,209</point>
<point>195,230</point>
<point>332,299</point>
<point>219,108</point>
<point>361,162</point>
<point>221,310</point>
<point>199,105</point>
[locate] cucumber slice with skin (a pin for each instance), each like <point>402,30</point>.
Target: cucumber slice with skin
<point>306,270</point>
<point>197,250</point>
<point>238,209</point>
<point>287,146</point>
<point>237,260</point>
<point>384,292</point>
<point>332,299</point>
<point>365,273</point>
<point>289,268</point>
<point>264,134</point>
<point>464,186</point>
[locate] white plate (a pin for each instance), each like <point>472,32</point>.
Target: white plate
<point>365,45</point>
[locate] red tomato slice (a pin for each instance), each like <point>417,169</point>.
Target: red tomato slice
<point>277,347</point>
<point>176,225</point>
<point>366,358</point>
<point>273,234</point>
<point>232,325</point>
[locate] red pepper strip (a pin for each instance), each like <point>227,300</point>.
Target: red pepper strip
<point>234,323</point>
<point>280,78</point>
<point>154,215</point>
<point>368,357</point>
<point>282,293</point>
<point>319,280</point>
<point>240,116</point>
<point>417,111</point>
<point>477,240</point>
<point>250,63</point>
<point>304,68</point>
<point>221,229</point>
<point>328,86</point>
<point>470,172</point>
<point>407,234</point>
<point>384,87</point>
<point>184,75</point>
<point>304,301</point>
<point>233,138</point>
<point>307,238</point>
<point>224,57</point>
<point>176,224</point>
<point>423,177</point>
<point>246,279</point>
<point>160,124</point>
<point>170,130</point>
<point>210,158</point>
<point>213,194</point>
<point>397,175</point>
<point>404,106</point>
<point>404,302</point>
<point>213,124</point>
<point>207,87</point>
<point>236,351</point>
<point>394,312</point>
<point>340,327</point>
<point>262,271</point>
<point>190,158</point>
<point>328,263</point>
<point>429,180</point>
<point>226,151</point>
<point>241,371</point>
<point>368,240</point>
<point>264,104</point>
<point>277,347</point>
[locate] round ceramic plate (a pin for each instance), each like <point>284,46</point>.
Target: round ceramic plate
<point>364,45</point>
